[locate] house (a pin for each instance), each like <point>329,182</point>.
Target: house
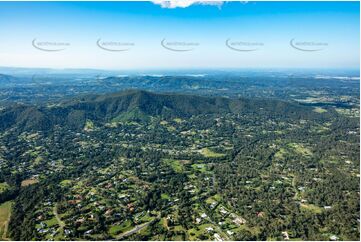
<point>121,196</point>
<point>203,215</point>
<point>213,205</point>
<point>222,210</point>
<point>109,185</point>
<point>218,237</point>
<point>285,235</point>
<point>209,229</point>
<point>239,221</point>
<point>74,202</point>
<point>130,206</point>
<point>333,237</point>
<point>198,220</point>
<point>101,207</point>
<point>230,232</point>
<point>80,221</point>
<point>42,231</point>
<point>109,211</point>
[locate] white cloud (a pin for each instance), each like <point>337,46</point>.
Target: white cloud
<point>185,3</point>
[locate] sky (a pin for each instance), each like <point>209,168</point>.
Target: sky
<point>171,35</point>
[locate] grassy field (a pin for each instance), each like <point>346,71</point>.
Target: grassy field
<point>65,182</point>
<point>199,167</point>
<point>165,196</point>
<point>311,208</point>
<point>319,110</point>
<point>280,155</point>
<point>89,125</point>
<point>5,211</point>
<point>178,120</point>
<point>300,149</point>
<point>169,127</point>
<point>175,164</point>
<point>115,229</point>
<point>28,182</point>
<point>51,222</point>
<point>209,153</point>
<point>194,233</point>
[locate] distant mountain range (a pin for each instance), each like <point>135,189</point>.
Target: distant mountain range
<point>247,72</point>
<point>73,113</point>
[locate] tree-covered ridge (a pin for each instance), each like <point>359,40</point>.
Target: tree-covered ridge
<point>103,108</point>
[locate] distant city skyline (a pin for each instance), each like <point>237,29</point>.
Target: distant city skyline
<point>171,35</point>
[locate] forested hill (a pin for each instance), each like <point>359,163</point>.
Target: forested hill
<point>6,79</point>
<point>108,107</point>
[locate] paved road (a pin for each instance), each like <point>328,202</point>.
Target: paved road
<point>133,231</point>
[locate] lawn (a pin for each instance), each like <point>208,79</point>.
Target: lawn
<point>178,120</point>
<point>28,182</point>
<point>175,164</point>
<point>120,228</point>
<point>89,125</point>
<point>199,167</point>
<point>320,110</point>
<point>164,196</point>
<point>194,233</point>
<point>169,127</point>
<point>206,152</point>
<point>145,218</point>
<point>280,155</point>
<point>210,200</point>
<point>300,149</point>
<point>51,222</point>
<point>115,229</point>
<point>311,208</point>
<point>65,183</point>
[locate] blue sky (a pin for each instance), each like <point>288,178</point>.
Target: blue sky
<point>331,28</point>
